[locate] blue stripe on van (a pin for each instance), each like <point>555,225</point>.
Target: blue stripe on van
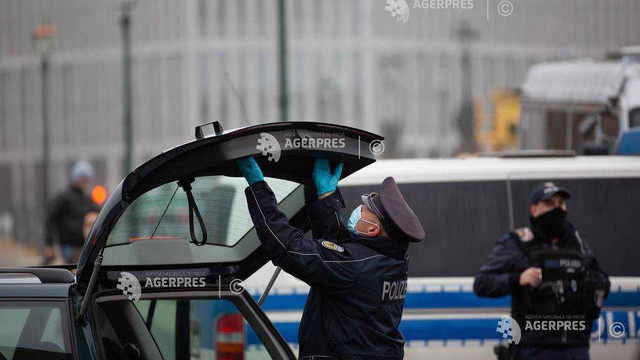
<point>443,329</point>
<point>440,329</point>
<point>442,300</point>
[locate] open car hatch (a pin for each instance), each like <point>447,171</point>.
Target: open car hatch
<point>155,219</point>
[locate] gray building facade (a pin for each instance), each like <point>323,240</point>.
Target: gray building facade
<point>349,62</point>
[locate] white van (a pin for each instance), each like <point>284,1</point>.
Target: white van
<point>465,205</point>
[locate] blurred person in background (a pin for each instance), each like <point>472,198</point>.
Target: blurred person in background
<point>72,212</point>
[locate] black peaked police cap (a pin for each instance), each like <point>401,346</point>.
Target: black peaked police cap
<point>396,216</point>
<point>546,191</point>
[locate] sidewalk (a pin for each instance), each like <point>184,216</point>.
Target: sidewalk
<point>16,254</point>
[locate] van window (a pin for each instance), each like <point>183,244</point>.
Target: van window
<point>634,118</point>
<point>462,221</point>
<point>34,330</point>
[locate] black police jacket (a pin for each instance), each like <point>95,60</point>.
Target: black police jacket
<point>500,276</point>
<point>358,285</point>
<point>65,217</point>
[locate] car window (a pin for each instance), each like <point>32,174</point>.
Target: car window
<point>33,330</point>
<point>155,227</point>
<point>216,329</point>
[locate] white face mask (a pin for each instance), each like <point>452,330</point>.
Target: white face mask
<point>355,217</point>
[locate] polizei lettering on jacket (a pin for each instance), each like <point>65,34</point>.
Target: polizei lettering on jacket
<point>394,290</point>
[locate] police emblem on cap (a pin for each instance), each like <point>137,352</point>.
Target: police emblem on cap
<point>331,246</point>
<point>525,234</point>
<point>550,187</point>
<point>546,190</point>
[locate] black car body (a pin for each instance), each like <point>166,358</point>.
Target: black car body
<point>147,286</point>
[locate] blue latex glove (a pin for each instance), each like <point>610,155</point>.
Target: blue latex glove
<point>323,179</point>
<point>250,169</point>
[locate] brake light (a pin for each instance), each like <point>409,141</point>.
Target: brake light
<point>230,337</point>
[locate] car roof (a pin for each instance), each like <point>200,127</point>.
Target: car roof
<point>35,282</point>
<point>34,290</point>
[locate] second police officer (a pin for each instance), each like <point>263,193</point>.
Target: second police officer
<point>556,284</point>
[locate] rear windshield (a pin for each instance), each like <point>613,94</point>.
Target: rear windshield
<point>155,227</point>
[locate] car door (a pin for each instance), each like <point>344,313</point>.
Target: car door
<point>149,238</point>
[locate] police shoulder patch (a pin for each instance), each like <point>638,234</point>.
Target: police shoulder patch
<point>524,233</point>
<point>331,246</point>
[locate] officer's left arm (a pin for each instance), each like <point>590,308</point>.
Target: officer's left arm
<point>499,275</point>
<point>324,213</point>
<point>304,258</point>
<point>592,265</point>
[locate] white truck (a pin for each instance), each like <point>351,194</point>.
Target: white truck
<point>581,105</point>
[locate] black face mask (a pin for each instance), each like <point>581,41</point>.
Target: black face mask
<point>550,224</point>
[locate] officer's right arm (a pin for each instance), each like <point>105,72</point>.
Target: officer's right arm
<point>499,276</point>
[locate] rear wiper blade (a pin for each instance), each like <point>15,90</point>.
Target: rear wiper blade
<point>193,209</point>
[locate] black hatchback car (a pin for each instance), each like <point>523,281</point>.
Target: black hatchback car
<point>160,273</point>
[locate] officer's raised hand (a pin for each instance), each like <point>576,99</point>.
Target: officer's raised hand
<point>531,277</point>
<point>250,169</point>
<point>324,181</point>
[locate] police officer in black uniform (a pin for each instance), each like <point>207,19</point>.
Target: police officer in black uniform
<point>357,273</point>
<point>556,284</point>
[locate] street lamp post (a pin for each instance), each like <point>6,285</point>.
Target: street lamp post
<point>42,37</point>
<point>282,53</point>
<point>466,34</point>
<point>126,6</point>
